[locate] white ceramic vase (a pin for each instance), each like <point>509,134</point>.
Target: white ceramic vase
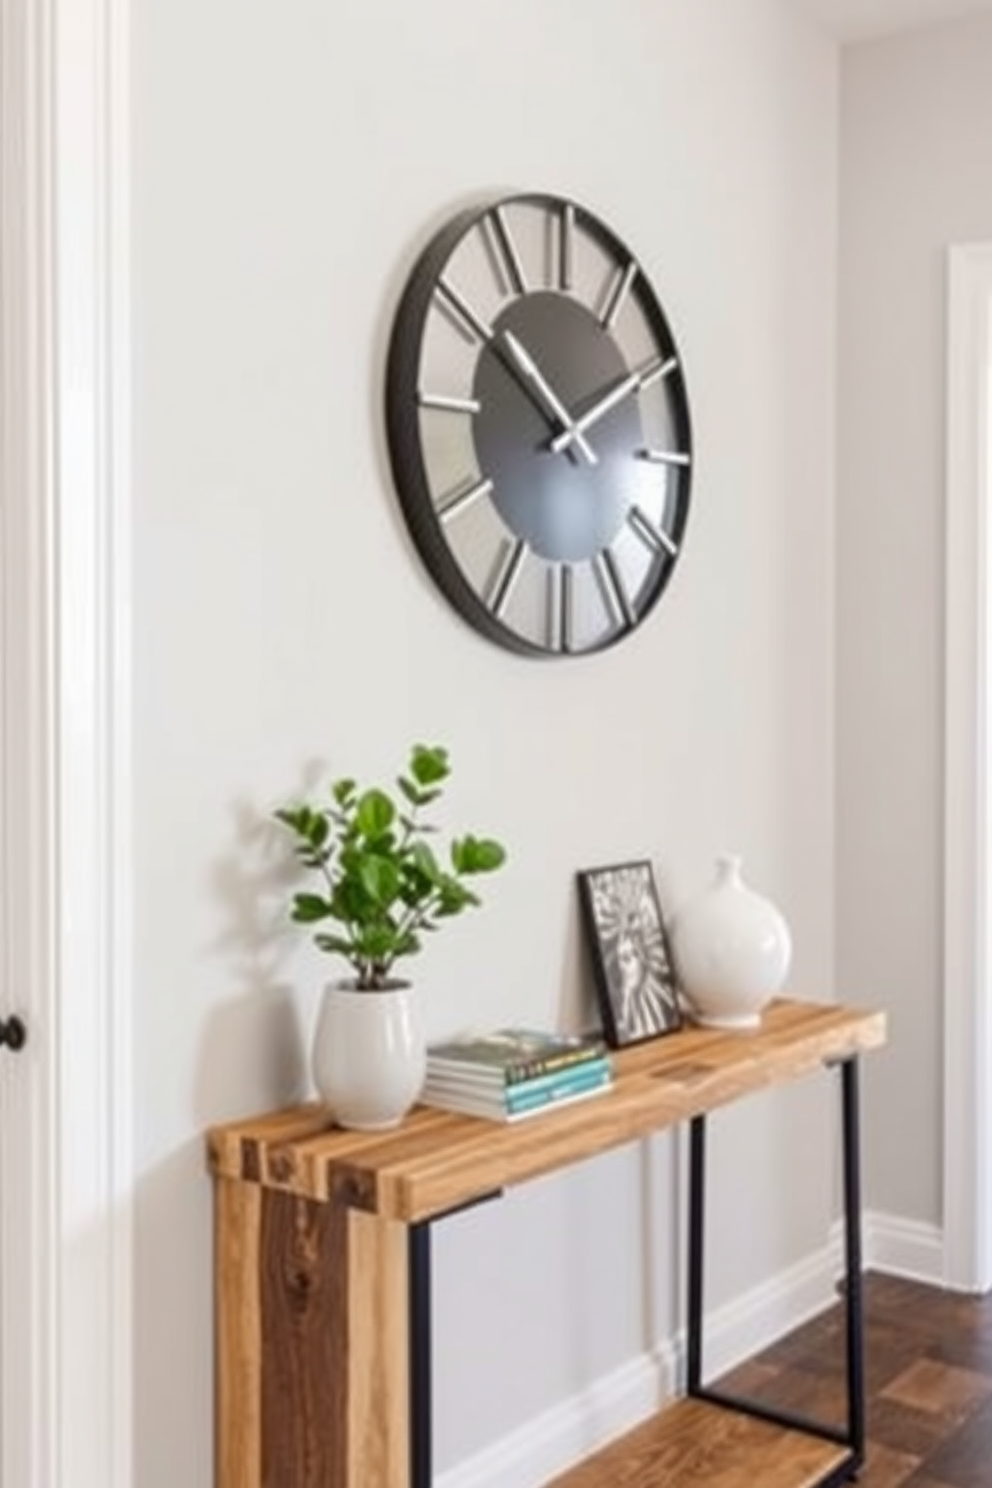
<point>369,1054</point>
<point>732,950</point>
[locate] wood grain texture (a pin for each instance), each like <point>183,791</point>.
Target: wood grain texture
<point>437,1160</point>
<point>303,1343</point>
<point>237,1335</point>
<point>312,1374</point>
<point>378,1453</point>
<point>695,1445</point>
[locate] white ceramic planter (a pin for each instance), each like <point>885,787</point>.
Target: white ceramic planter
<point>732,950</point>
<point>369,1054</point>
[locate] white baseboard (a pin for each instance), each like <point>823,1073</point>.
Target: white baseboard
<point>757,1318</point>
<point>564,1435</point>
<point>553,1441</point>
<point>903,1247</point>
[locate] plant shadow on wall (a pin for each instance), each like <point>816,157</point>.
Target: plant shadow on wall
<point>251,1055</point>
<point>254,1050</point>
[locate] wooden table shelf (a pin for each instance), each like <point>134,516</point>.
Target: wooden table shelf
<point>323,1267</point>
<point>692,1443</point>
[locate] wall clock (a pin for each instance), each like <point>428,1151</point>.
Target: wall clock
<point>538,426</point>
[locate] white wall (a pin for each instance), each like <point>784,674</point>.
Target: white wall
<point>916,175</point>
<point>288,163</point>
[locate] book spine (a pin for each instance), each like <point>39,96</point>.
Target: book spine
<point>524,1098</point>
<point>546,1064</point>
<point>564,1098</point>
<point>464,1105</point>
<point>528,1068</point>
<point>448,1079</point>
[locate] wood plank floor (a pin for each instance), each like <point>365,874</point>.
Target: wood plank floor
<point>928,1366</point>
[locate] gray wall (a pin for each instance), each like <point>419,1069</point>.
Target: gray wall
<point>288,162</point>
<point>916,176</point>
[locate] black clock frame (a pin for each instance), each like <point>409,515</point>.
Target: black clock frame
<point>409,469</point>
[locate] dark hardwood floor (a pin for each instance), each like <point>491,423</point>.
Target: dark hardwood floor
<point>928,1367</point>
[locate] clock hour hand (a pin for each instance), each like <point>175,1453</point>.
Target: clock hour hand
<point>552,403</point>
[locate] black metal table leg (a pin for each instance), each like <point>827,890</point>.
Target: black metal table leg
<point>421,1446</point>
<point>853,1290</point>
<point>419,1325</point>
<point>852,1435</point>
<point>697,1191</point>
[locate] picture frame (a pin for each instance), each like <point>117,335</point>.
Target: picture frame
<point>636,984</point>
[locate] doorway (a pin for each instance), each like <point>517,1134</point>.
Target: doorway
<point>968,776</point>
<point>65,1101</point>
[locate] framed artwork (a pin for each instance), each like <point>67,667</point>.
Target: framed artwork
<point>634,971</point>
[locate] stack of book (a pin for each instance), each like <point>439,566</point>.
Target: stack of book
<point>515,1072</point>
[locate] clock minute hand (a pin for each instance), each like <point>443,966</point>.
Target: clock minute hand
<point>610,399</point>
<point>552,402</point>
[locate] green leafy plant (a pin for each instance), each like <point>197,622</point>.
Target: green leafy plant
<point>382,884</point>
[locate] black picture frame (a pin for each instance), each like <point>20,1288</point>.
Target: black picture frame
<point>632,961</point>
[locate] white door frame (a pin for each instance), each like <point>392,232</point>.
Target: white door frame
<point>968,817</point>
<point>65,1338</point>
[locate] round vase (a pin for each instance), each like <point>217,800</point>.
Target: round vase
<point>369,1054</point>
<point>732,950</point>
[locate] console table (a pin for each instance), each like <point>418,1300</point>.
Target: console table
<point>323,1272</point>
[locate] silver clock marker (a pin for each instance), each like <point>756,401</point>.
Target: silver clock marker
<point>506,576</point>
<point>510,255</point>
<point>566,246</point>
<point>565,608</point>
<point>611,578</point>
<point>450,506</point>
<point>654,537</point>
<point>664,457</point>
<point>621,289</point>
<point>449,295</point>
<point>551,607</point>
<point>449,405</point>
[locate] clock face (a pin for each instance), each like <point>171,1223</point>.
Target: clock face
<point>538,426</point>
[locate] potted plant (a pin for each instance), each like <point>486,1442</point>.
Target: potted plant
<point>381,888</point>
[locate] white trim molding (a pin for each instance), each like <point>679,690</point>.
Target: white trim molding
<point>902,1247</point>
<point>546,1446</point>
<point>564,1435</point>
<point>28,1099</point>
<point>967,964</point>
<point>744,1326</point>
<point>66,787</point>
<point>553,1441</point>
